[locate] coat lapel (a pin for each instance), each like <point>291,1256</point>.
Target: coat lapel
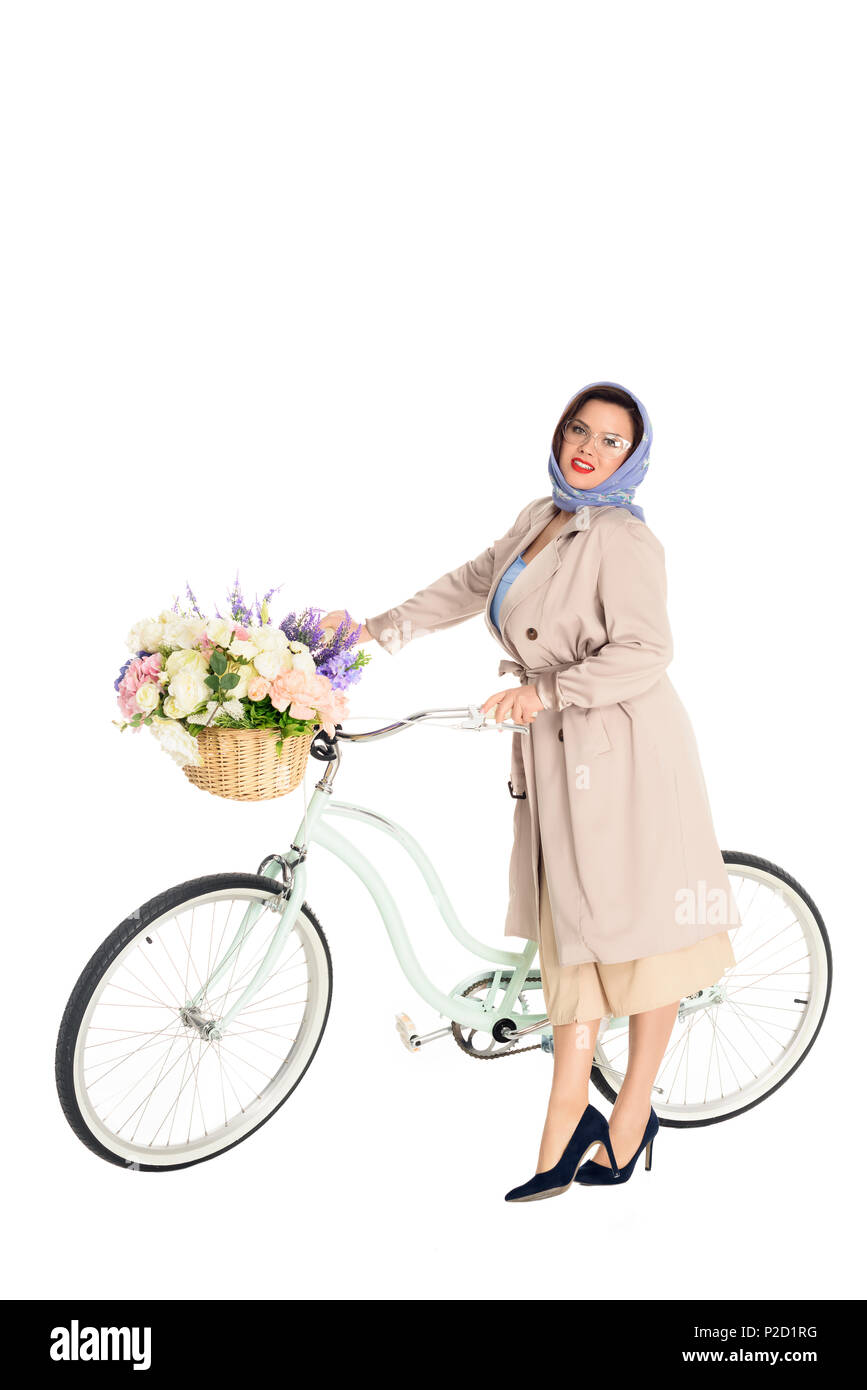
<point>518,544</point>
<point>539,570</point>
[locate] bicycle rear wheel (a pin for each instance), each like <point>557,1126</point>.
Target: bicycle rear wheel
<point>139,1080</point>
<point>739,1040</point>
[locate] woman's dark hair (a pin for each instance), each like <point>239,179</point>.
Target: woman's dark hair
<point>601,393</point>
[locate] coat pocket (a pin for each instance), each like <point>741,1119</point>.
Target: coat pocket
<point>597,734</point>
<point>585,729</point>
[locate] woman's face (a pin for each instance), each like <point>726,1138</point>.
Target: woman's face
<point>585,464</point>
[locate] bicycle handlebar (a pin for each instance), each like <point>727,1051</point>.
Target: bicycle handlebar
<point>473,720</point>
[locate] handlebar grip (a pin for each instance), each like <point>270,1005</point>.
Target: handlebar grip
<point>322,748</point>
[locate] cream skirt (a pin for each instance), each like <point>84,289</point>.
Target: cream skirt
<point>579,993</point>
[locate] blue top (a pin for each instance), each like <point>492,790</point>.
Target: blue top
<point>511,574</point>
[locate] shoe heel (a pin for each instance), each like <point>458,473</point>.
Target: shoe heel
<point>648,1156</point>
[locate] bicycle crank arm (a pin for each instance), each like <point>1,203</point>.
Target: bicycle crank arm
<point>510,1034</point>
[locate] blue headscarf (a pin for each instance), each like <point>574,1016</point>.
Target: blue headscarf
<point>619,489</point>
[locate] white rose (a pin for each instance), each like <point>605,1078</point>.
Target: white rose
<point>245,674</point>
<point>182,632</point>
<point>268,639</point>
<point>172,710</point>
<point>187,661</point>
<point>189,690</point>
<point>175,740</point>
<point>302,659</point>
<point>241,648</point>
<point>147,697</point>
<point>220,631</point>
<point>270,664</point>
<point>146,636</point>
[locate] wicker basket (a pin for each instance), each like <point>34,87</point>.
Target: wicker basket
<point>242,764</point>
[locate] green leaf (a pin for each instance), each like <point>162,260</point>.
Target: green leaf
<point>212,682</point>
<point>218,663</point>
<point>230,681</point>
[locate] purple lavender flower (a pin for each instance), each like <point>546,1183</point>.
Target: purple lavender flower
<point>196,609</point>
<point>341,669</point>
<point>238,609</point>
<point>306,627</point>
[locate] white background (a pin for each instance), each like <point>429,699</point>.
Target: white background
<point>302,290</point>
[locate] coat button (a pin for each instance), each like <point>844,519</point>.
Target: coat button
<point>532,634</point>
<point>560,735</point>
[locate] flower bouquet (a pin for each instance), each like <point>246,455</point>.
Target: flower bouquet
<point>233,699</point>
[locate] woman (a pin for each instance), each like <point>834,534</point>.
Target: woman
<point>615,868</point>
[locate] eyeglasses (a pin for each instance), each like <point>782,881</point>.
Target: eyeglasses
<point>609,445</point>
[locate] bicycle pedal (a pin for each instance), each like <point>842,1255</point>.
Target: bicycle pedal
<point>408,1035</point>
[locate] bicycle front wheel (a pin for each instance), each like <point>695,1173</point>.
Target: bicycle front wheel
<point>140,1080</point>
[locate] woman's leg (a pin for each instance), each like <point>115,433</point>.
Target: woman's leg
<point>574,1045</point>
<point>649,1033</point>
<point>567,990</point>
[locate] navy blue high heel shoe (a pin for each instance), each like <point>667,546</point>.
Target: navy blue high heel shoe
<point>592,1174</point>
<point>592,1129</point>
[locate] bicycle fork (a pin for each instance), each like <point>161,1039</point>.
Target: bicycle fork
<point>288,905</point>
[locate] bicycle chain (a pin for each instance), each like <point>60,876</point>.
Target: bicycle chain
<point>488,1056</point>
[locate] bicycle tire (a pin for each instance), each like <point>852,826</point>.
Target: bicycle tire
<point>96,968</point>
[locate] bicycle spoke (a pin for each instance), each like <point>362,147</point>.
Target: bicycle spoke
<point>152,1077</point>
<point>730,1048</point>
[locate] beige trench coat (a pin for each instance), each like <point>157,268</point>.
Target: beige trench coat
<point>615,795</point>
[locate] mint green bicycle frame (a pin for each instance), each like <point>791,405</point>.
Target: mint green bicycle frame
<point>481,1014</point>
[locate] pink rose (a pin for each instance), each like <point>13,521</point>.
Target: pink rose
<point>139,670</point>
<point>302,711</point>
<point>332,709</point>
<point>126,702</point>
<point>258,688</point>
<point>288,686</point>
<point>151,666</point>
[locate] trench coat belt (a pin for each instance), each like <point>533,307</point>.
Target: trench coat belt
<point>507,666</point>
<point>523,672</point>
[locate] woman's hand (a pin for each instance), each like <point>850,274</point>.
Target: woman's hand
<point>340,615</point>
<point>521,703</point>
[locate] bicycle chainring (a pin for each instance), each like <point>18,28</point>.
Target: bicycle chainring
<point>494,1049</point>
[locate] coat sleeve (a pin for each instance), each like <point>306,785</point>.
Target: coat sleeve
<point>632,592</point>
<point>453,598</point>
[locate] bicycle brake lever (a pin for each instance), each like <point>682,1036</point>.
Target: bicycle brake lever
<point>479,721</point>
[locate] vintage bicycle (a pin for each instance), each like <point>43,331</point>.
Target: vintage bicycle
<point>198,1016</point>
